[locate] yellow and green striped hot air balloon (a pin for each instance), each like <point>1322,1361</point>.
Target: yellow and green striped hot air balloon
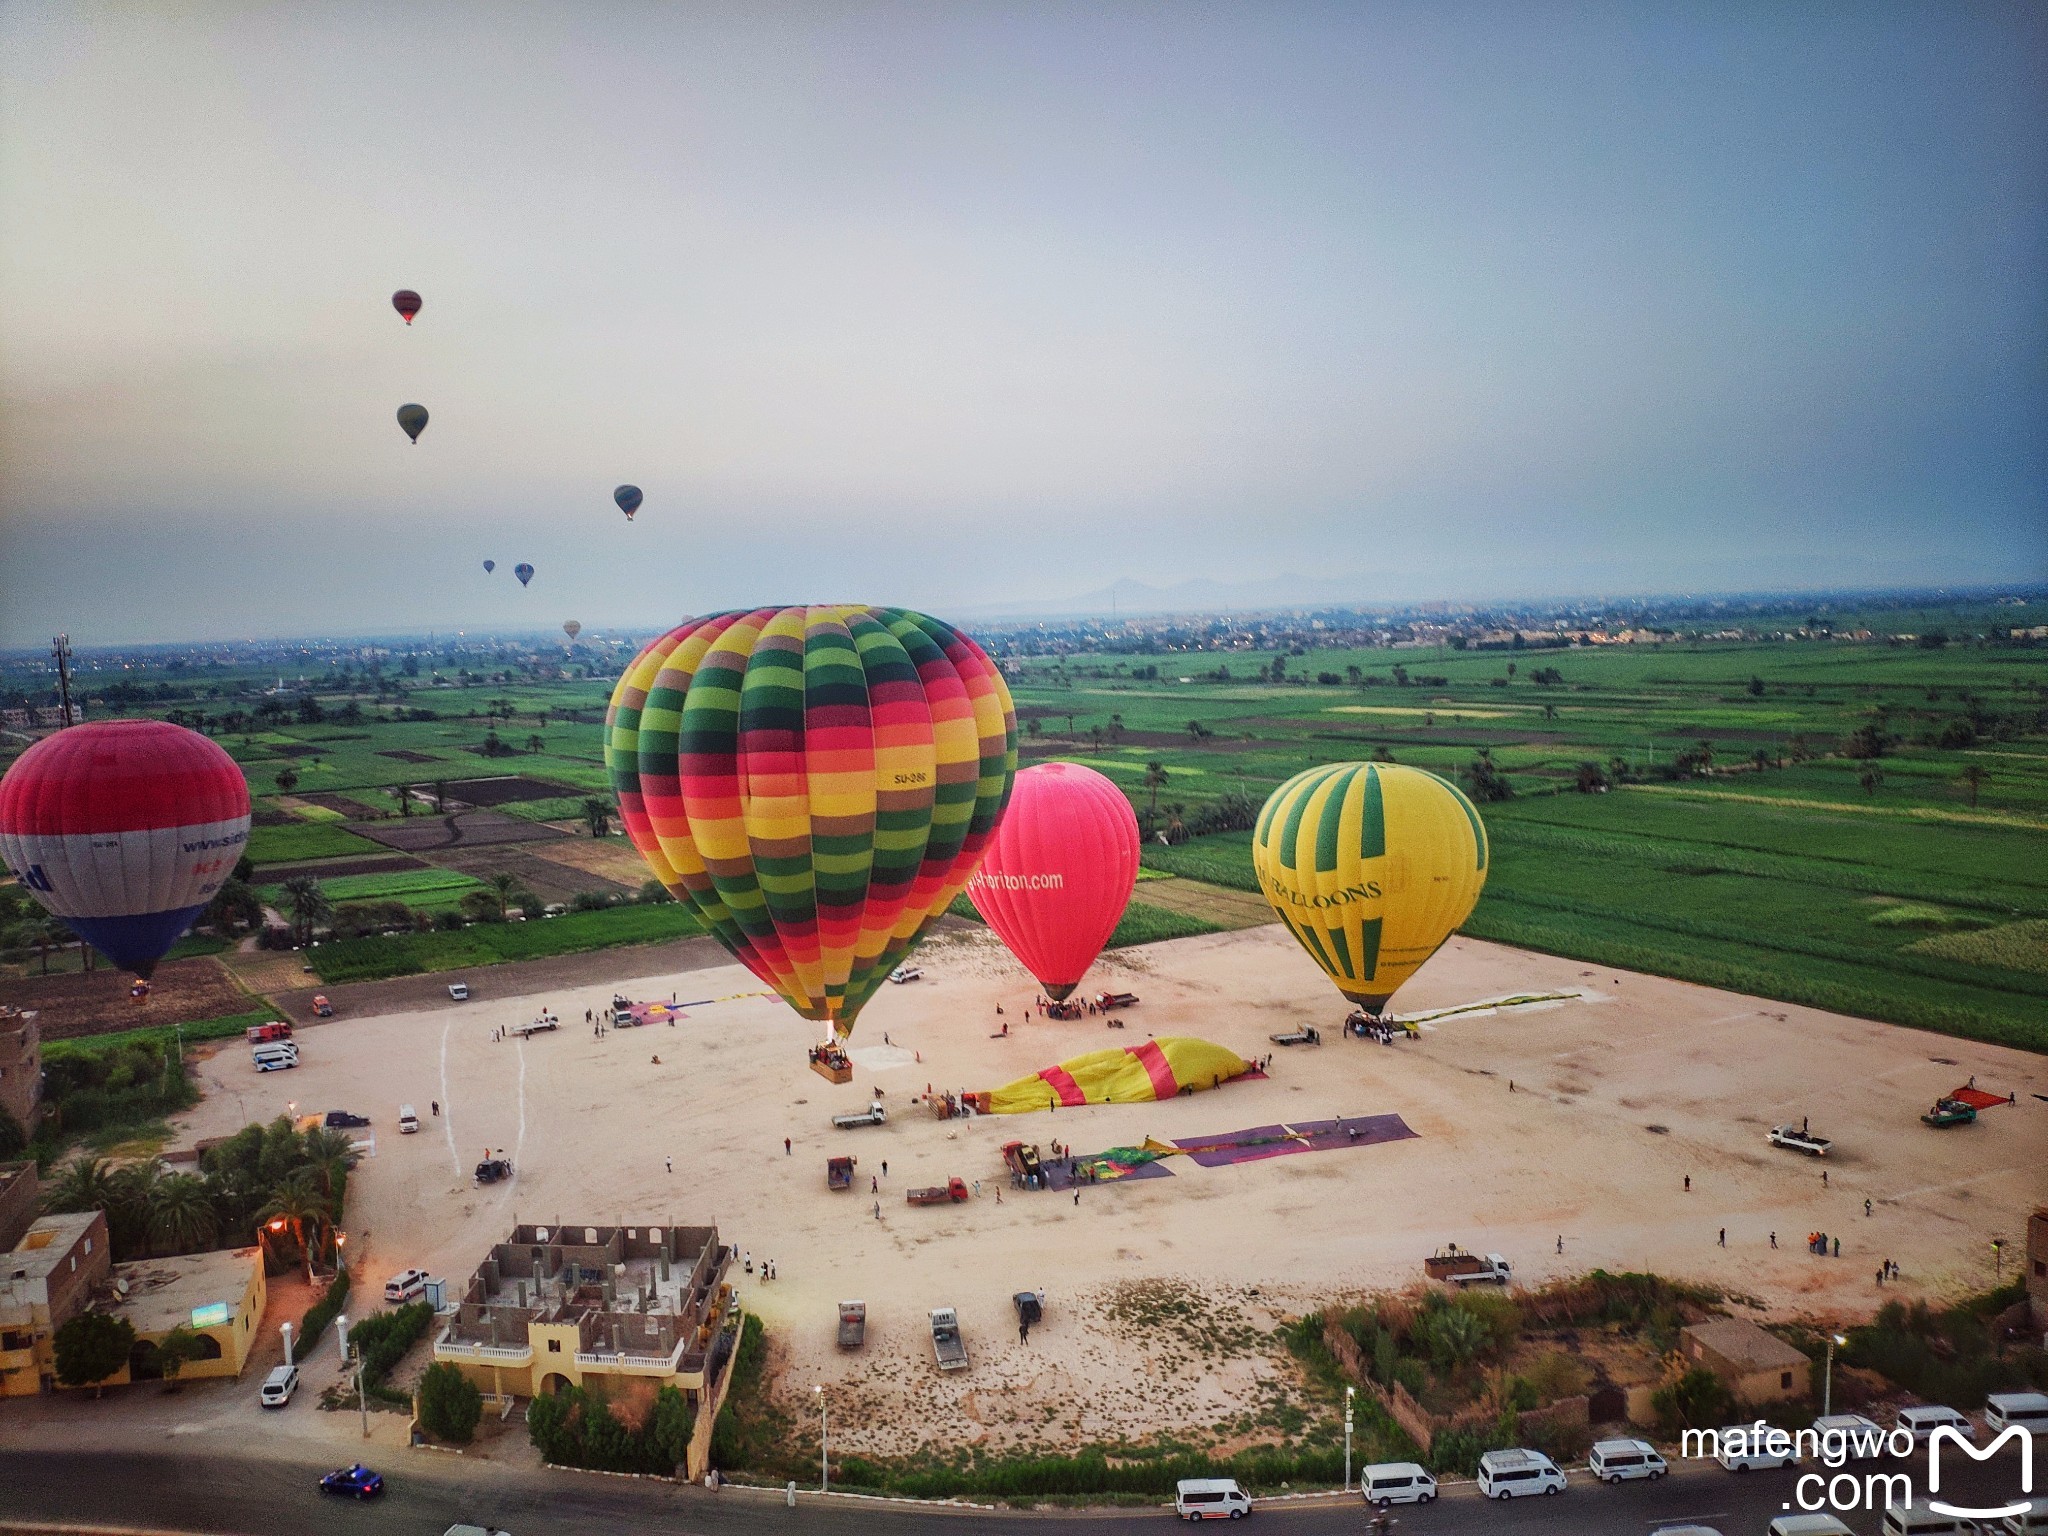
<point>817,783</point>
<point>1371,866</point>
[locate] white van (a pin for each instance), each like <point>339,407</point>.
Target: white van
<point>408,1120</point>
<point>1925,1419</point>
<point>1908,1520</point>
<point>2028,1410</point>
<point>1807,1525</point>
<point>277,1056</point>
<point>405,1285</point>
<point>2031,1521</point>
<point>1851,1434</point>
<point>1517,1474</point>
<point>1396,1482</point>
<point>1744,1449</point>
<point>1616,1461</point>
<point>1210,1498</point>
<point>279,1386</point>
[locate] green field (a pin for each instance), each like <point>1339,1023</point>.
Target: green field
<point>425,889</point>
<point>493,943</point>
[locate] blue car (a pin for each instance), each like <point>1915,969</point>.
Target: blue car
<point>358,1482</point>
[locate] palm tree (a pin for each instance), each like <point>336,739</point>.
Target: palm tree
<point>50,933</point>
<point>1972,778</point>
<point>308,904</point>
<point>181,1213</point>
<point>503,884</point>
<point>1116,726</point>
<point>1155,780</point>
<point>1761,758</point>
<point>298,1205</point>
<point>86,1184</point>
<point>402,793</point>
<point>440,797</point>
<point>536,743</point>
<point>1870,778</point>
<point>287,780</point>
<point>327,1154</point>
<point>128,1213</point>
<point>597,816</point>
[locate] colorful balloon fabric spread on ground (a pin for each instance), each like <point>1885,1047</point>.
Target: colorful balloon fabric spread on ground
<point>1059,871</point>
<point>1130,1074</point>
<point>523,572</point>
<point>1371,866</point>
<point>817,783</point>
<point>413,419</point>
<point>407,303</point>
<point>125,829</point>
<point>628,498</point>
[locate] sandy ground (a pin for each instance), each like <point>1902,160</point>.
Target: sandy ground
<point>1158,1290</point>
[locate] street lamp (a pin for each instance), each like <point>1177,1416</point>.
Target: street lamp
<point>1997,1261</point>
<point>824,1454</point>
<point>1827,1390</point>
<point>1349,1394</point>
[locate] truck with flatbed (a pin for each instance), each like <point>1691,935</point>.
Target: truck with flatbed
<point>952,1190</point>
<point>948,1348</point>
<point>874,1114</point>
<point>1108,1000</point>
<point>540,1024</point>
<point>853,1324</point>
<point>1948,1112</point>
<point>1455,1267</point>
<point>1799,1139</point>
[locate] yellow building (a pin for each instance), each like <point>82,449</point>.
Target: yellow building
<point>219,1296</point>
<point>618,1311</point>
<point>1753,1363</point>
<point>48,1279</point>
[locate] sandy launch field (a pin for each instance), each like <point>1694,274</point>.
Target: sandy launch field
<point>1158,1289</point>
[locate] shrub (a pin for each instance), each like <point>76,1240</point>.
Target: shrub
<point>384,1338</point>
<point>1697,1400</point>
<point>91,1347</point>
<point>450,1404</point>
<point>1555,1375</point>
<point>321,1313</point>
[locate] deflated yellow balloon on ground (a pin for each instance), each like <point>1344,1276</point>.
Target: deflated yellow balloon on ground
<point>1371,866</point>
<point>1131,1074</point>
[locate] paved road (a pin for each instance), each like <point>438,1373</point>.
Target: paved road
<point>248,1497</point>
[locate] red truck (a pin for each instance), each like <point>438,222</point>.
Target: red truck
<point>939,1194</point>
<point>276,1030</point>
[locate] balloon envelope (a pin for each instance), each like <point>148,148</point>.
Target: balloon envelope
<point>524,572</point>
<point>817,783</point>
<point>413,418</point>
<point>1371,866</point>
<point>1059,871</point>
<point>489,566</point>
<point>628,498</point>
<point>407,303</point>
<point>572,629</point>
<point>125,829</point>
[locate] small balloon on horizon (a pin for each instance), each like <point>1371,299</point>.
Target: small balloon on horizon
<point>628,497</point>
<point>407,303</point>
<point>413,418</point>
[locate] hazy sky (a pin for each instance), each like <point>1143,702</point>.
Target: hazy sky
<point>964,304</point>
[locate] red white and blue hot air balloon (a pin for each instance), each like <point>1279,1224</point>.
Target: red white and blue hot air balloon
<point>125,829</point>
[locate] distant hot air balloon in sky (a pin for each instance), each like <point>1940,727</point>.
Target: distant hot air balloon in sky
<point>628,498</point>
<point>572,629</point>
<point>1372,866</point>
<point>414,419</point>
<point>817,783</point>
<point>125,829</point>
<point>1059,871</point>
<point>524,572</point>
<point>489,566</point>
<point>407,303</point>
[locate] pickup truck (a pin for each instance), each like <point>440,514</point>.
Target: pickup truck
<point>492,1169</point>
<point>539,1026</point>
<point>1948,1112</point>
<point>906,973</point>
<point>1108,1000</point>
<point>853,1324</point>
<point>874,1114</point>
<point>1030,1310</point>
<point>1799,1139</point>
<point>948,1348</point>
<point>938,1194</point>
<point>1454,1268</point>
<point>1025,1169</point>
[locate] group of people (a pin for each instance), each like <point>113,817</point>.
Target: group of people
<point>767,1265</point>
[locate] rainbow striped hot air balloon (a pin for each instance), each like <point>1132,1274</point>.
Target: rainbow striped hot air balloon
<point>817,783</point>
<point>1371,866</point>
<point>125,829</point>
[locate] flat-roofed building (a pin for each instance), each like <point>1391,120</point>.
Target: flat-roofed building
<point>1753,1363</point>
<point>219,1296</point>
<point>620,1311</point>
<point>47,1279</point>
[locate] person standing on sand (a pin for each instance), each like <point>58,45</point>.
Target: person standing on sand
<point>1838,1247</point>
<point>785,1146</point>
<point>671,1162</point>
<point>1724,1237</point>
<point>1688,1183</point>
<point>1774,1239</point>
<point>878,1210</point>
<point>1866,1207</point>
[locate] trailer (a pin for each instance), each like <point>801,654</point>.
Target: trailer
<point>1307,1035</point>
<point>839,1173</point>
<point>853,1324</point>
<point>1948,1112</point>
<point>874,1114</point>
<point>1454,1267</point>
<point>953,1190</point>
<point>948,1348</point>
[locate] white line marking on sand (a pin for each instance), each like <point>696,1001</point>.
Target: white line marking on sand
<point>447,1103</point>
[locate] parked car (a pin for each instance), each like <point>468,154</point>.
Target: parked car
<point>406,1285</point>
<point>1807,1525</point>
<point>279,1386</point>
<point>344,1119</point>
<point>357,1482</point>
<point>459,990</point>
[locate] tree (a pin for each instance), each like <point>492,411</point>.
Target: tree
<point>440,797</point>
<point>1382,753</point>
<point>235,905</point>
<point>1696,1400</point>
<point>1032,728</point>
<point>174,1351</point>
<point>1756,687</point>
<point>653,893</point>
<point>1489,784</point>
<point>86,1184</point>
<point>181,1213</point>
<point>1590,780</point>
<point>298,1205</point>
<point>1870,777</point>
<point>1761,759</point>
<point>1155,780</point>
<point>536,743</point>
<point>92,1347</point>
<point>1972,778</point>
<point>402,793</point>
<point>307,903</point>
<point>450,1404</point>
<point>504,885</point>
<point>287,780</point>
<point>50,933</point>
<point>597,815</point>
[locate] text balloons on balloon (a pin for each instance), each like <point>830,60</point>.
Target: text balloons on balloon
<point>628,498</point>
<point>1059,871</point>
<point>125,829</point>
<point>524,572</point>
<point>1371,866</point>
<point>407,303</point>
<point>816,783</point>
<point>413,418</point>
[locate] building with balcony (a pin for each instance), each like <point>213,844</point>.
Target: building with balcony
<point>618,1311</point>
<point>48,1279</point>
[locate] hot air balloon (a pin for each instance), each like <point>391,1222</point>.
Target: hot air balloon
<point>524,572</point>
<point>407,303</point>
<point>817,783</point>
<point>490,566</point>
<point>414,419</point>
<point>572,629</point>
<point>125,829</point>
<point>1372,866</point>
<point>1058,871</point>
<point>628,498</point>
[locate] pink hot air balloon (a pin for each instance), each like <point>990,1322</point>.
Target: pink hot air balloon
<point>1059,871</point>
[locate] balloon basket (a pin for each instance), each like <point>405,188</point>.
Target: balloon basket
<point>831,1063</point>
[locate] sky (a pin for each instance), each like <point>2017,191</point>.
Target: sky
<point>983,304</point>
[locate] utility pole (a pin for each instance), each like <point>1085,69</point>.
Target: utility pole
<point>60,648</point>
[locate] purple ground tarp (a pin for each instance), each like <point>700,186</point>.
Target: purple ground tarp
<point>1302,1136</point>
